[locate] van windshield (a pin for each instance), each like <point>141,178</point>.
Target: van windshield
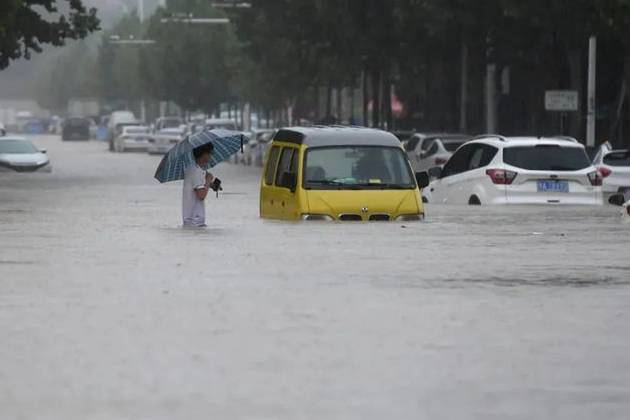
<point>357,167</point>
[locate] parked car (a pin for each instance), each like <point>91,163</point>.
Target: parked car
<point>614,166</point>
<point>339,173</point>
<point>116,121</point>
<point>164,140</point>
<point>224,123</point>
<point>426,151</point>
<point>256,148</point>
<point>20,155</point>
<point>622,200</point>
<point>76,128</point>
<point>518,170</point>
<point>164,123</point>
<point>132,137</point>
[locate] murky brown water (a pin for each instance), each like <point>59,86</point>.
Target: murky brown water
<point>108,310</point>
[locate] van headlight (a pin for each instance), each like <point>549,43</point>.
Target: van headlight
<point>317,218</point>
<point>410,217</point>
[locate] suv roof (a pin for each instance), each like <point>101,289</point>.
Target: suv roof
<point>501,141</point>
<point>336,135</point>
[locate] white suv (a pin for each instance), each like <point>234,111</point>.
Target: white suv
<point>492,169</point>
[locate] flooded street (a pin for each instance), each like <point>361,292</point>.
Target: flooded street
<point>110,310</point>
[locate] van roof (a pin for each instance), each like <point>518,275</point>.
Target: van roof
<point>322,136</point>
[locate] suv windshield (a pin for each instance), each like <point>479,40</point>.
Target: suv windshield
<point>617,159</point>
<point>357,167</point>
<point>546,158</point>
<point>16,147</point>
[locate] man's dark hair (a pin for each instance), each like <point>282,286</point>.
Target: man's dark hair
<point>202,150</point>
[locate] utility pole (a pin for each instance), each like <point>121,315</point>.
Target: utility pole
<point>592,86</point>
<point>491,70</point>
<point>143,107</point>
<point>463,110</point>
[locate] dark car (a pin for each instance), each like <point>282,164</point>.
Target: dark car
<point>76,129</point>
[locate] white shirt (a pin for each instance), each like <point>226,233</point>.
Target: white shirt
<point>193,209</point>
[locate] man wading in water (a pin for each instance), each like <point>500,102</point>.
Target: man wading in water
<point>197,184</point>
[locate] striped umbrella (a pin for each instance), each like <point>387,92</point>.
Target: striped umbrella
<point>179,158</point>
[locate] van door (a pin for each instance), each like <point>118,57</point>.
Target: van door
<point>287,183</point>
<point>268,206</point>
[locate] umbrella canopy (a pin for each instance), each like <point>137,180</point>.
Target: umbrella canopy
<point>179,158</point>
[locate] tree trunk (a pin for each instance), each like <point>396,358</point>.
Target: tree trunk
<point>376,98</point>
<point>463,99</point>
<point>366,99</point>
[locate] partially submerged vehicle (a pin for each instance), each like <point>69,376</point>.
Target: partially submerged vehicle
<point>339,173</point>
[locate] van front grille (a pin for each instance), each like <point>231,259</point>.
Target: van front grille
<point>350,218</point>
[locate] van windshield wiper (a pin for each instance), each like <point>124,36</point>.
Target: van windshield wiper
<point>385,186</point>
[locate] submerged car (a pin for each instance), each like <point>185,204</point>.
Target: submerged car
<point>339,173</point>
<point>20,155</point>
<point>221,123</point>
<point>132,137</point>
<point>494,169</point>
<point>163,141</point>
<point>614,166</point>
<point>426,151</point>
<point>256,148</point>
<point>76,128</point>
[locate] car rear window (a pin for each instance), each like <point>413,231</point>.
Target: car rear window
<point>617,159</point>
<point>546,158</point>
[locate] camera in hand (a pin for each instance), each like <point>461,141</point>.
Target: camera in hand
<point>216,185</point>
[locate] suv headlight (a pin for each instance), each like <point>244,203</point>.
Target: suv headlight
<point>410,217</point>
<point>317,218</point>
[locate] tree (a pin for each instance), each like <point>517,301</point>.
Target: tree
<point>191,65</point>
<point>24,28</point>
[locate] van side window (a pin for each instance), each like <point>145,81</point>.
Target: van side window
<point>287,164</point>
<point>272,162</point>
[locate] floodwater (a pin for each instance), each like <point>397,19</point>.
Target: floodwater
<point>109,310</point>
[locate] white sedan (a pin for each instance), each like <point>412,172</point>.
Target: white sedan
<point>161,142</point>
<point>20,155</point>
<point>132,137</point>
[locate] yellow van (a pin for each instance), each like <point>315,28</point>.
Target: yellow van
<point>339,173</point>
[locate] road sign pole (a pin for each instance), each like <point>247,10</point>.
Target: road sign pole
<point>592,85</point>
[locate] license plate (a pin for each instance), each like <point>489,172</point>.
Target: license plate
<point>553,186</point>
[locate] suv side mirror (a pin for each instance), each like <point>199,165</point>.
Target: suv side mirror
<point>289,180</point>
<point>617,200</point>
<point>422,178</point>
<point>435,172</point>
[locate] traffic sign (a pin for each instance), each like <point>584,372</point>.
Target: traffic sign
<point>561,100</point>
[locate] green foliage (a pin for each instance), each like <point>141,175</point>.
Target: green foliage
<point>26,25</point>
<point>192,65</point>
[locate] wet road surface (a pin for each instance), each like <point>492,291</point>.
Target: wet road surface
<point>109,310</point>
